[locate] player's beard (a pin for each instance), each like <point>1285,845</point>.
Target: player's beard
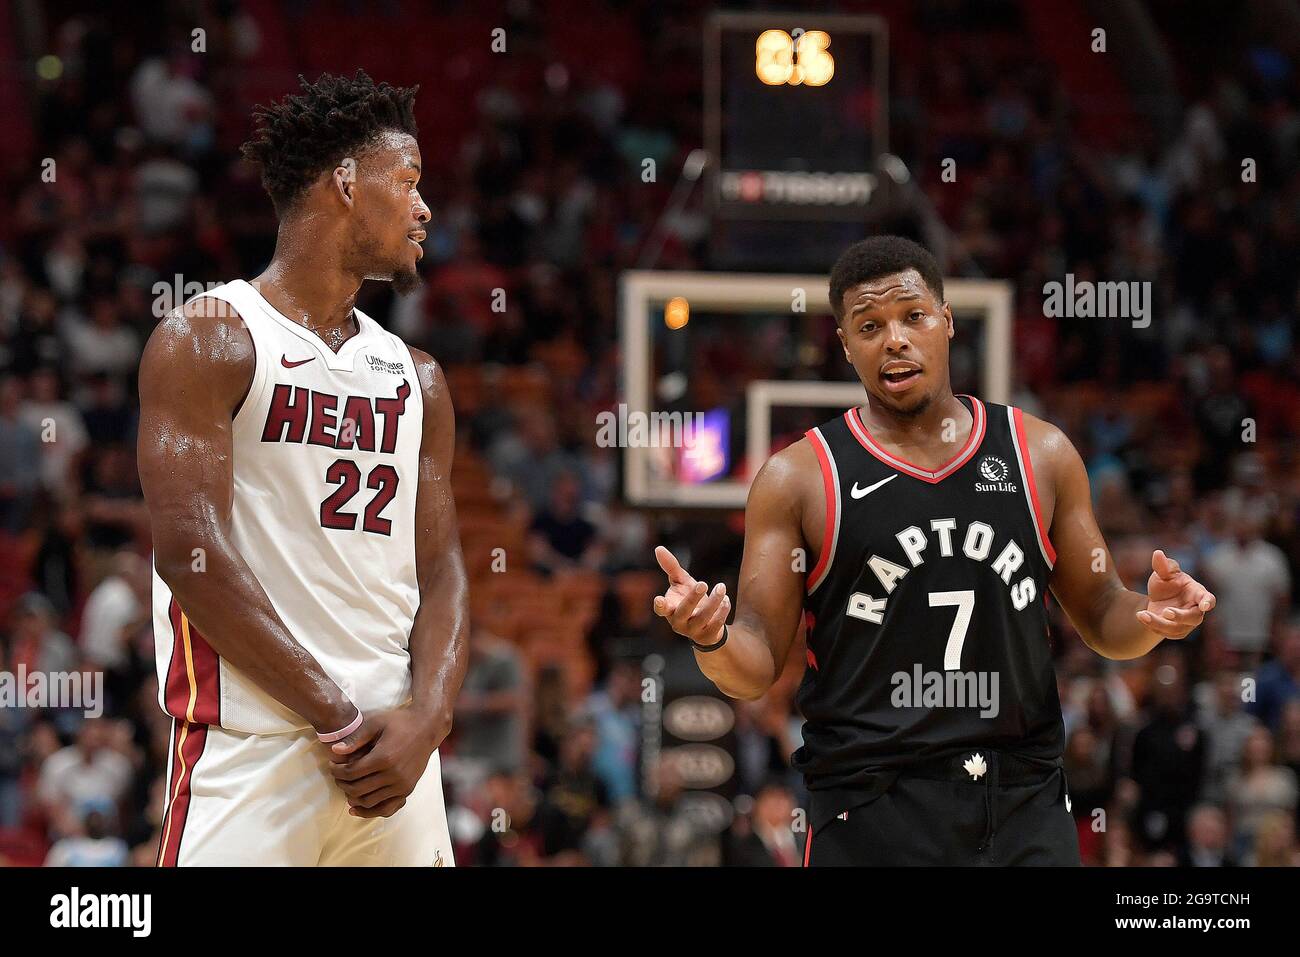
<point>911,412</point>
<point>406,281</point>
<point>404,276</point>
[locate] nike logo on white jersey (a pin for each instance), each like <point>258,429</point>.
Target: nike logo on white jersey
<point>860,492</point>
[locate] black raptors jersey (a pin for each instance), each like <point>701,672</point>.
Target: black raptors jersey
<point>927,628</point>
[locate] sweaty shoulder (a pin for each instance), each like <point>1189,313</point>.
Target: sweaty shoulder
<point>432,382</point>
<point>203,342</point>
<point>439,416</point>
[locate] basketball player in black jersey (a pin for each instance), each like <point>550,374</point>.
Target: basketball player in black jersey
<point>934,526</point>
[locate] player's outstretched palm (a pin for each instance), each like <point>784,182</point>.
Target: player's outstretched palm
<point>1176,602</point>
<point>690,607</point>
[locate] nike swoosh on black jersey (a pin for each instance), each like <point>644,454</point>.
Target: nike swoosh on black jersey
<point>863,492</point>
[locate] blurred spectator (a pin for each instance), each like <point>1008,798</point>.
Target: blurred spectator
<point>97,847</point>
<point>1288,738</point>
<point>103,344</point>
<point>1207,839</point>
<point>36,644</point>
<point>550,714</point>
<point>35,341</point>
<point>489,730</point>
<point>57,566</point>
<point>1118,848</point>
<point>1168,759</point>
<point>1250,579</point>
<point>574,799</point>
<point>530,456</point>
<point>1275,842</point>
<point>116,628</point>
<point>560,538</point>
<point>114,508</point>
<point>109,418</point>
<point>763,742</point>
<point>662,831</point>
<point>1279,679</point>
<point>20,458</point>
<point>626,533</point>
<point>1227,728</point>
<point>1251,491</point>
<point>469,288</point>
<point>48,414</point>
<point>1219,407</point>
<point>615,712</point>
<point>767,838</point>
<point>117,607</point>
<point>1259,787</point>
<point>512,837</point>
<point>446,335</point>
<point>170,104</point>
<point>12,727</point>
<point>164,191</point>
<point>90,775</point>
<point>1110,713</point>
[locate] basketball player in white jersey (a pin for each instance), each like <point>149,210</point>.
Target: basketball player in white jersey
<point>309,592</point>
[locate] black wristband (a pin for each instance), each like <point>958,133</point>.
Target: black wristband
<point>713,647</point>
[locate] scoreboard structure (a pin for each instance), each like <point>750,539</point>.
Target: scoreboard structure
<point>795,113</point>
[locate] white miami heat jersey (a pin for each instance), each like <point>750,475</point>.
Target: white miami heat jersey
<point>326,463</point>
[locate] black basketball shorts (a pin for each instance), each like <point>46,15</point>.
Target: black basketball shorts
<point>980,808</point>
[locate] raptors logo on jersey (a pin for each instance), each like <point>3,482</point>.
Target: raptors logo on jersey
<point>926,572</point>
<point>326,450</point>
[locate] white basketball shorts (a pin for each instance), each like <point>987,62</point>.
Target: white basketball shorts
<point>269,800</point>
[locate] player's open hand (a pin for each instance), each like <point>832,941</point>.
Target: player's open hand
<point>690,607</point>
<point>1176,602</point>
<point>378,775</point>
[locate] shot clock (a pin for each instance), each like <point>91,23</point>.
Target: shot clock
<point>795,114</point>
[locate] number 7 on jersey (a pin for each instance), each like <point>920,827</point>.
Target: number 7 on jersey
<point>964,601</point>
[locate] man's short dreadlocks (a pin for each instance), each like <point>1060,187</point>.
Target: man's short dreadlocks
<point>307,133</point>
